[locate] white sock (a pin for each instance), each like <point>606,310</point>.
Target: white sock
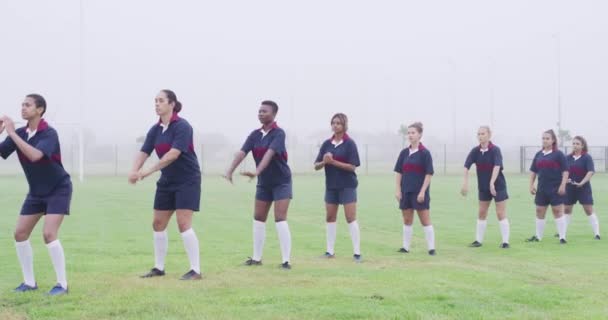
<point>192,250</point>
<point>259,236</point>
<point>408,231</point>
<point>504,230</point>
<point>429,234</point>
<point>595,224</point>
<point>567,220</point>
<point>58,260</point>
<point>26,259</point>
<point>540,228</point>
<point>481,230</point>
<point>560,223</point>
<point>284,240</point>
<point>355,236</point>
<point>161,243</point>
<point>331,236</point>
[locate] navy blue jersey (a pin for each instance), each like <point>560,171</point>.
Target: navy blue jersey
<point>258,143</point>
<point>44,175</point>
<point>345,152</point>
<point>549,167</point>
<point>578,168</point>
<point>178,135</point>
<point>485,161</point>
<point>414,167</point>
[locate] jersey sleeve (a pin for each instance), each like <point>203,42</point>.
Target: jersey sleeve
<point>590,166</point>
<point>533,166</point>
<point>497,160</point>
<point>48,143</point>
<point>148,145</point>
<point>470,159</point>
<point>353,155</point>
<point>7,147</point>
<point>183,138</point>
<point>249,143</point>
<point>399,164</point>
<point>321,153</point>
<point>563,163</point>
<point>428,164</point>
<point>278,143</point>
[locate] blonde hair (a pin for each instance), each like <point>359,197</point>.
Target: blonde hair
<point>487,128</point>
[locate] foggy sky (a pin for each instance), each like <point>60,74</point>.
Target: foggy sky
<point>445,63</point>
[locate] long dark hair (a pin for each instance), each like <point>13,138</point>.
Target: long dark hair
<point>583,142</point>
<point>173,98</point>
<point>553,136</point>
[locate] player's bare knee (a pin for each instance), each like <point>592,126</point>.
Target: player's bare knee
<point>184,226</point>
<point>159,225</point>
<point>21,235</point>
<point>49,236</point>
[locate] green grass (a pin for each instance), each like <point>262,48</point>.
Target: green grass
<point>108,243</point>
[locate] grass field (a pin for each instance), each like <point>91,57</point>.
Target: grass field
<point>108,243</point>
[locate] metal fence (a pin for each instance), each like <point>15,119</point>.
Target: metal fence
<point>116,159</point>
<point>598,153</point>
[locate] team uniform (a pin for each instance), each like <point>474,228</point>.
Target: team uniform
<point>341,186</point>
<point>414,165</point>
<point>578,167</point>
<point>179,186</point>
<point>50,192</point>
<point>485,160</point>
<point>274,184</point>
<point>549,167</point>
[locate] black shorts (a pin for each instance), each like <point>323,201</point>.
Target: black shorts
<point>548,197</point>
<point>341,196</point>
<point>274,193</point>
<point>410,201</point>
<point>56,202</point>
<point>170,198</point>
<point>582,195</point>
<point>486,195</point>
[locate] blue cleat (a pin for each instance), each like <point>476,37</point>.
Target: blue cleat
<point>24,288</point>
<point>357,258</point>
<point>58,290</point>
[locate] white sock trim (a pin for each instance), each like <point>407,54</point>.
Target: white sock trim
<point>25,254</point>
<point>429,234</point>
<point>355,236</point>
<point>58,260</point>
<point>504,230</point>
<point>331,231</point>
<point>161,245</point>
<point>284,240</point>
<point>191,246</point>
<point>480,230</point>
<point>259,237</point>
<point>408,231</point>
<point>540,228</point>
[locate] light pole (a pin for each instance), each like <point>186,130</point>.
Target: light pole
<point>559,88</point>
<point>82,95</point>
